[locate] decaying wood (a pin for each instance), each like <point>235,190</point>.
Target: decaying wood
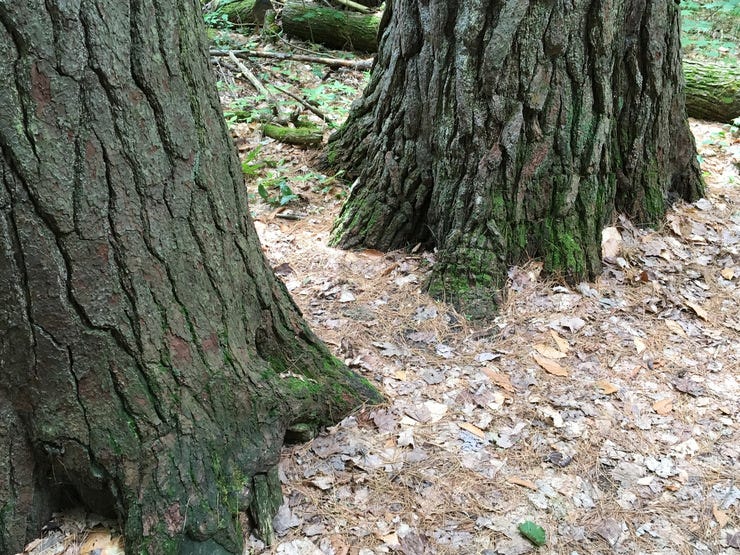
<point>334,28</point>
<point>304,136</point>
<point>712,90</point>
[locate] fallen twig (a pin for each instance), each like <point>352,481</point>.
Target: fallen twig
<point>354,5</point>
<point>331,62</point>
<point>305,104</point>
<point>257,84</point>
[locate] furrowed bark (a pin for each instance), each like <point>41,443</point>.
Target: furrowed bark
<point>150,362</point>
<point>505,131</point>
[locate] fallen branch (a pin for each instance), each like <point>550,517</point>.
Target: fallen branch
<point>251,77</point>
<point>331,62</point>
<point>305,104</point>
<point>354,5</point>
<point>304,136</point>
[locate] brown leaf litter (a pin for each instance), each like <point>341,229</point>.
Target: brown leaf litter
<point>606,413</point>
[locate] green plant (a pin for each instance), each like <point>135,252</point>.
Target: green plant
<point>251,167</point>
<point>275,191</point>
<point>711,28</point>
<point>217,20</point>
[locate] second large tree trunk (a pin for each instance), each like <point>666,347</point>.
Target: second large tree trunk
<point>150,362</point>
<point>499,131</point>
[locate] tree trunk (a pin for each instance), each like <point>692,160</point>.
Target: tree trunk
<point>712,90</point>
<point>501,131</point>
<point>150,362</point>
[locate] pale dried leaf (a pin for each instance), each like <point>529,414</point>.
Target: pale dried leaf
<point>663,406</point>
<point>549,352</point>
<point>611,243</point>
<point>550,366</point>
<point>522,482</point>
<point>675,327</point>
<point>501,380</point>
<point>323,482</point>
<point>562,343</point>
<point>700,312</point>
<point>475,430</point>
<point>720,516</point>
<point>346,296</point>
<point>639,345</point>
<point>606,387</point>
<point>100,542</point>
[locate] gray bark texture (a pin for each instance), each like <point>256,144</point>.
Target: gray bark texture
<point>150,362</point>
<point>500,131</point>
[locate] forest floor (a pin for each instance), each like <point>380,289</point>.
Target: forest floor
<point>605,413</point>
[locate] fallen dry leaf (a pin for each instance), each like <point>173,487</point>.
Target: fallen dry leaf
<point>521,482</point>
<point>728,273</point>
<point>549,352</point>
<point>639,345</point>
<point>550,366</point>
<point>720,516</point>
<point>663,406</point>
<point>675,327</point>
<point>560,341</point>
<point>100,542</point>
<point>700,312</point>
<point>611,243</point>
<point>475,430</point>
<point>501,380</point>
<point>606,387</point>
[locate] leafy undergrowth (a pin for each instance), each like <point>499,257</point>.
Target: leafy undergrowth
<point>711,29</point>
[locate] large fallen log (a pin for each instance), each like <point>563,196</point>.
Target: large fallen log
<point>334,28</point>
<point>712,90</point>
<point>341,29</point>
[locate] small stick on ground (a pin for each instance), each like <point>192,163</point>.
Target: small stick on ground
<point>257,84</point>
<point>331,62</point>
<point>354,5</point>
<point>305,104</point>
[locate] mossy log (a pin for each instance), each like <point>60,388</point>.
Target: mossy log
<point>237,12</point>
<point>334,28</point>
<point>712,90</point>
<point>305,136</point>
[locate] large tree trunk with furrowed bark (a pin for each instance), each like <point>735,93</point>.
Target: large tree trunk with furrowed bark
<point>500,131</point>
<point>150,362</point>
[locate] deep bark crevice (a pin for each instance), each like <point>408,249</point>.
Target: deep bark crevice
<point>524,146</point>
<point>132,285</point>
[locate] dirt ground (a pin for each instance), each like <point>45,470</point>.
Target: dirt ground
<point>606,413</point>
